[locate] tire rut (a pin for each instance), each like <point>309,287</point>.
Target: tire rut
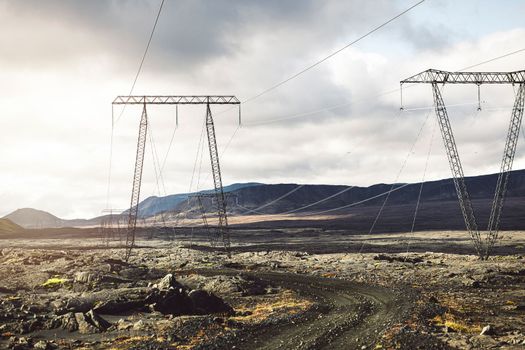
<point>346,315</point>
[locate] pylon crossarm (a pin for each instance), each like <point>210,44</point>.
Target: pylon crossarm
<point>176,100</point>
<point>435,76</point>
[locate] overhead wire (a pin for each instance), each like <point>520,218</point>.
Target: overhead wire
<point>108,191</point>
<point>256,210</point>
<point>492,59</point>
<point>169,148</point>
<point>387,92</point>
<point>320,201</point>
<point>143,56</point>
<point>410,152</point>
<point>323,59</point>
<point>416,210</point>
<point>345,104</point>
<point>315,64</point>
<point>309,205</point>
<point>197,156</point>
<point>124,107</point>
<point>359,202</point>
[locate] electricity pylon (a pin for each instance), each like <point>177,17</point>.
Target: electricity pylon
<point>219,229</point>
<point>214,156</point>
<point>436,77</point>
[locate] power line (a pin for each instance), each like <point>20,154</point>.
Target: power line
<point>416,210</point>
<point>492,59</point>
<point>387,92</point>
<point>124,108</point>
<point>275,200</point>
<point>319,201</point>
<point>304,70</point>
<point>345,104</point>
<point>361,201</point>
<point>398,175</point>
<point>143,56</point>
<point>147,48</point>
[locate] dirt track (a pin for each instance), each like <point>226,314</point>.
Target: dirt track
<point>346,316</point>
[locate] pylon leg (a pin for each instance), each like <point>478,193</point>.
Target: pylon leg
<point>222,226</point>
<point>137,180</point>
<point>457,170</point>
<point>506,166</point>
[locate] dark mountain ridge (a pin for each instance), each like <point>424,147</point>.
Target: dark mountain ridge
<point>439,204</point>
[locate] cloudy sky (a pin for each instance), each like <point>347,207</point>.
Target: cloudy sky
<point>63,62</point>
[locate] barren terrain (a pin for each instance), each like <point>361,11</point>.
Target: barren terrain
<point>288,289</point>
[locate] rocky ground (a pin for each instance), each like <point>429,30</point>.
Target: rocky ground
<point>74,294</point>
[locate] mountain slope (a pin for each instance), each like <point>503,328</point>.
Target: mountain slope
<point>30,218</point>
<point>155,205</point>
<point>33,218</point>
<point>7,227</point>
<point>258,197</point>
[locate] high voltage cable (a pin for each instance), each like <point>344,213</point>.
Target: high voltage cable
<point>130,92</point>
<point>304,70</point>
<point>416,210</point>
<point>147,48</point>
<point>143,56</point>
<point>492,59</point>
<point>376,219</point>
<point>399,173</point>
<point>319,201</point>
<point>381,94</point>
<point>387,92</point>
<point>308,205</point>
<point>275,200</point>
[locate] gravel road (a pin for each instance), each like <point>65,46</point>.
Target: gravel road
<point>347,315</point>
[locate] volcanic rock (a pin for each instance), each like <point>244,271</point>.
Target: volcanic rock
<point>208,303</point>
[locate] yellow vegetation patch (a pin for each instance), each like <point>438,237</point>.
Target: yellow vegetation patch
<point>53,282</point>
<point>329,275</point>
<point>286,302</point>
<point>449,321</point>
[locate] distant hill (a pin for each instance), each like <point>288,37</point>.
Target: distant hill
<point>155,205</point>
<point>33,218</point>
<point>30,218</point>
<point>299,199</point>
<point>439,205</point>
<point>258,197</point>
<point>357,207</point>
<point>8,227</point>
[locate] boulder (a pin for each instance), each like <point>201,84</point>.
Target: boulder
<point>168,282</point>
<point>66,321</point>
<point>170,302</point>
<point>98,321</point>
<point>123,325</point>
<point>91,322</point>
<point>84,277</point>
<point>43,345</point>
<point>208,303</point>
<point>139,325</point>
<point>84,326</point>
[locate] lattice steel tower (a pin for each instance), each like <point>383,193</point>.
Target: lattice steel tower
<point>222,228</point>
<point>435,77</point>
